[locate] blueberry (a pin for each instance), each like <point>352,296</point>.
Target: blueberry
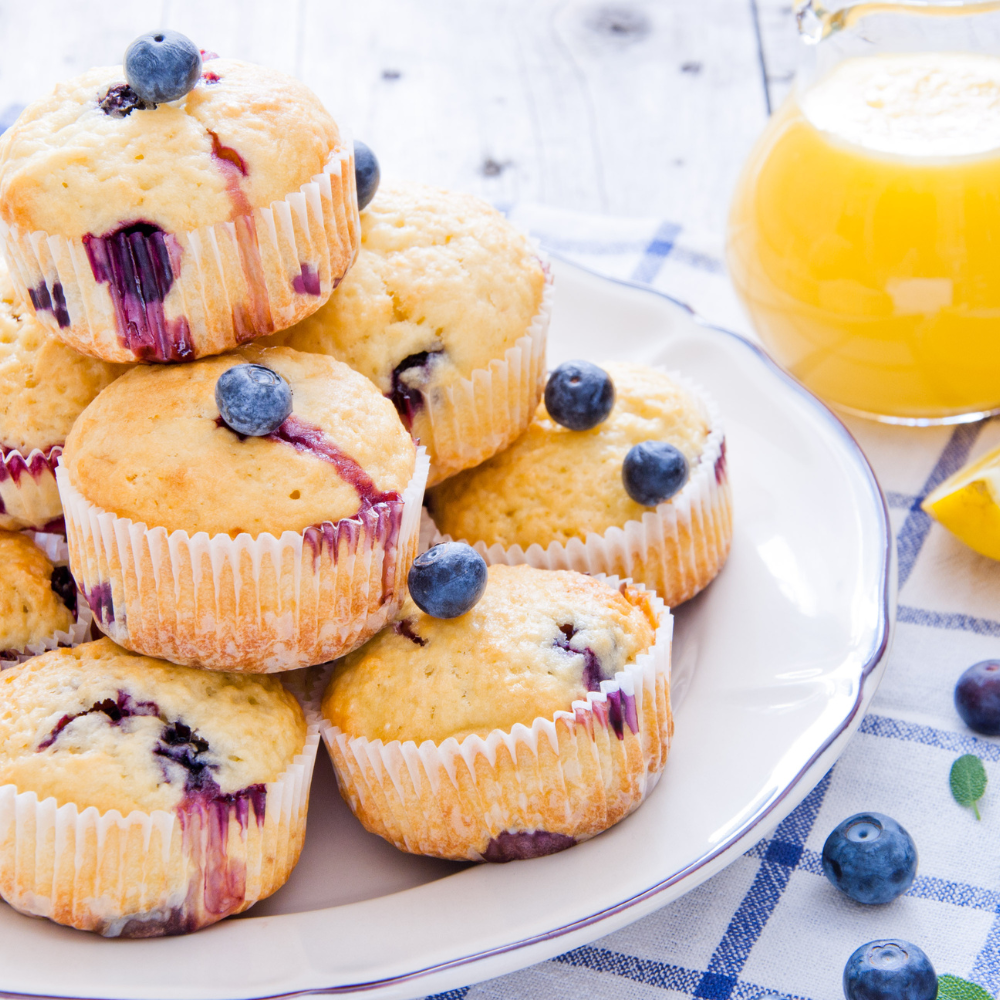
<point>871,858</point>
<point>162,66</point>
<point>889,970</point>
<point>366,174</point>
<point>447,580</point>
<point>977,697</point>
<point>653,472</point>
<point>579,395</point>
<point>253,400</point>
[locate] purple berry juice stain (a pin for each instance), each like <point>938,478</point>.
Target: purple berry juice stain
<point>13,464</point>
<point>64,587</point>
<point>124,706</point>
<point>592,674</point>
<point>307,282</point>
<point>521,845</point>
<point>139,262</point>
<point>408,399</point>
<point>101,602</point>
<point>54,303</point>
<point>404,627</point>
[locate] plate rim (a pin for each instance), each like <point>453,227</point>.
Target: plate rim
<point>760,815</point>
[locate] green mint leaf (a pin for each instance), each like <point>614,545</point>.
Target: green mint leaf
<point>954,988</point>
<point>968,781</point>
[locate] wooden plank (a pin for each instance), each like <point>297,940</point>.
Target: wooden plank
<point>634,108</point>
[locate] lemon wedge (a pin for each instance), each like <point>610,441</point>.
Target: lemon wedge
<point>968,504</point>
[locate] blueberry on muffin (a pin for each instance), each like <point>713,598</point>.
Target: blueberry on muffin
<point>38,599</point>
<point>176,229</point>
<point>443,288</point>
<point>44,386</point>
<point>149,795</point>
<point>260,551</point>
<point>643,493</point>
<point>538,718</point>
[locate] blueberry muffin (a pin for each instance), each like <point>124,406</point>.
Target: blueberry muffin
<point>182,229</point>
<point>44,386</point>
<point>446,311</point>
<point>38,599</point>
<point>537,719</point>
<point>154,799</point>
<point>557,496</point>
<point>242,551</point>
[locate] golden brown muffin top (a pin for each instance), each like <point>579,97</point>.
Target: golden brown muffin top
<point>244,136</point>
<point>152,448</point>
<point>537,641</point>
<point>554,484</point>
<point>100,726</point>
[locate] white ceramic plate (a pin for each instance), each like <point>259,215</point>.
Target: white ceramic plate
<point>774,664</point>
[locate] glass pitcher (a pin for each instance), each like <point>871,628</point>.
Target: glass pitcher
<point>864,234</point>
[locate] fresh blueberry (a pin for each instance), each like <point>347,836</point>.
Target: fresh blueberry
<point>889,970</point>
<point>977,697</point>
<point>366,174</point>
<point>871,858</point>
<point>253,400</point>
<point>653,472</point>
<point>162,66</point>
<point>579,395</point>
<point>447,580</point>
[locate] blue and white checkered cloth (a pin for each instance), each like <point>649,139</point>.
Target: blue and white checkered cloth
<point>771,923</point>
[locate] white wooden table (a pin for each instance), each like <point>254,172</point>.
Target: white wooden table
<point>642,108</point>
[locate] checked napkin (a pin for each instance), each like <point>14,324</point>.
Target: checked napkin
<point>770,922</point>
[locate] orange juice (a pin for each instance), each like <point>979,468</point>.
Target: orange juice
<point>865,235</point>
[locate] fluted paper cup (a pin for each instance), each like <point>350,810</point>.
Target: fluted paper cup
<point>253,605</point>
<point>156,873</point>
<point>531,791</point>
<point>55,548</point>
<point>677,549</point>
<point>146,295</point>
<point>463,424</point>
<point>28,494</point>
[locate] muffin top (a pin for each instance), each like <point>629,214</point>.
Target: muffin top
<point>44,384</point>
<point>442,285</point>
<point>536,642</point>
<point>554,484</point>
<point>100,726</point>
<point>152,447</point>
<point>86,160</point>
<point>30,608</point>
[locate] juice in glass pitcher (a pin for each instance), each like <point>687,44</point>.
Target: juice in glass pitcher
<point>864,234</point>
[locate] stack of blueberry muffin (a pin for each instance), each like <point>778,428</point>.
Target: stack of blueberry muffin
<point>230,365</point>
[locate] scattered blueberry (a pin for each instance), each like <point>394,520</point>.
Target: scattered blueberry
<point>253,400</point>
<point>447,580</point>
<point>653,472</point>
<point>579,395</point>
<point>162,66</point>
<point>871,858</point>
<point>889,970</point>
<point>977,697</point>
<point>366,174</point>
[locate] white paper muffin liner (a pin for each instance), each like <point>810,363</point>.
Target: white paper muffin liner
<point>254,605</point>
<point>527,792</point>
<point>225,283</point>
<point>156,873</point>
<point>57,551</point>
<point>676,549</point>
<point>28,494</point>
<point>463,424</point>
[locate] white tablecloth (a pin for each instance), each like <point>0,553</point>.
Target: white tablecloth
<point>771,922</point>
